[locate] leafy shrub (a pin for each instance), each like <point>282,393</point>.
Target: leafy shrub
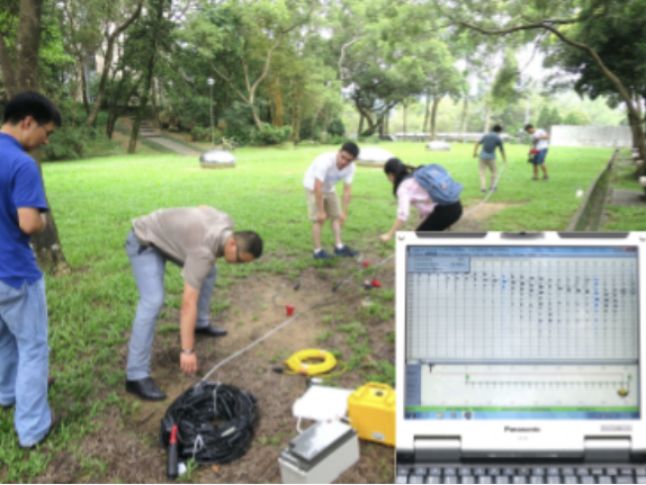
<point>238,123</point>
<point>336,128</point>
<point>70,142</point>
<point>200,133</point>
<point>270,135</point>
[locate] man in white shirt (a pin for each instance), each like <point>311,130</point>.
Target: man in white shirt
<point>322,200</point>
<point>538,153</point>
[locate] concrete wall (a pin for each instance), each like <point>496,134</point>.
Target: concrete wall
<point>590,136</point>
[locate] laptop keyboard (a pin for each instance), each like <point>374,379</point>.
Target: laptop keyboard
<point>521,474</point>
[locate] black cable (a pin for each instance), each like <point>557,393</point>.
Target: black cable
<point>216,422</point>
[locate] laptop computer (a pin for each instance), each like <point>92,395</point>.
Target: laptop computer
<point>519,357</point>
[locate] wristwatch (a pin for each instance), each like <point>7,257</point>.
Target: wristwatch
<point>187,351</point>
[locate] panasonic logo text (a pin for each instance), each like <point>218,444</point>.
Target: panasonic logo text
<point>514,429</point>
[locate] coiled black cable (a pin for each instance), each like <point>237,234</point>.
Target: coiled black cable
<point>216,422</point>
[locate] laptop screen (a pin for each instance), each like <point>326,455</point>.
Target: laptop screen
<point>521,332</point>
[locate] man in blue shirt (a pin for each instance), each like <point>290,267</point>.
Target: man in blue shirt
<point>29,120</point>
<point>489,142</point>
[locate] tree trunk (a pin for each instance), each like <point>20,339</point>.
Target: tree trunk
<point>86,101</point>
<point>110,124</point>
<point>296,126</point>
<point>29,43</point>
<point>436,103</point>
<point>427,108</point>
<point>48,250</point>
<point>372,127</point>
<point>114,108</point>
<point>154,102</point>
<point>635,134</point>
<point>254,114</point>
<point>134,132</point>
<point>365,116</point>
<point>8,72</point>
<point>46,244</point>
<point>150,68</point>
<point>404,113</point>
<point>278,111</point>
<point>464,116</point>
<point>109,52</point>
<point>636,125</point>
<point>487,119</point>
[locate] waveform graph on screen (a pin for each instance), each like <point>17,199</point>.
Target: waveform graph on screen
<point>510,386</point>
<point>475,308</point>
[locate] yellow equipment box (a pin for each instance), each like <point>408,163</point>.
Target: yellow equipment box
<point>371,409</point>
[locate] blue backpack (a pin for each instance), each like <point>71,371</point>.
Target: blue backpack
<point>438,183</point>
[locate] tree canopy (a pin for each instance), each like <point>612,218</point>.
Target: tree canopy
<point>287,68</point>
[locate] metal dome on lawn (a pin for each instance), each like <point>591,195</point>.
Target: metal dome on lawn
<point>217,159</point>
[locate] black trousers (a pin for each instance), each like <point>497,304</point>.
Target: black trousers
<point>442,217</point>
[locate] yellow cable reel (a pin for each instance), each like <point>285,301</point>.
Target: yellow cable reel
<point>311,362</point>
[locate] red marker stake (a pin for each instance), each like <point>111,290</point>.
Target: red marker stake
<point>171,470</point>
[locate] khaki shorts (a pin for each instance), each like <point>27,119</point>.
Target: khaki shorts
<point>490,164</point>
<point>330,204</point>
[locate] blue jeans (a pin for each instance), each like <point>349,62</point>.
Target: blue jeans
<point>24,356</point>
<point>148,265</point>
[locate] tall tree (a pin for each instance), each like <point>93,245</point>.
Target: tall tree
<point>19,44</point>
<point>443,79</point>
<point>618,38</point>
<point>152,34</point>
<point>19,49</point>
<point>80,23</point>
<point>117,17</point>
<point>240,39</point>
<point>379,66</point>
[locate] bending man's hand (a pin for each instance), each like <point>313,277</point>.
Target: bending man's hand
<point>188,363</point>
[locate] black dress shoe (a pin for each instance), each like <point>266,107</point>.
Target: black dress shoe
<point>211,331</point>
<point>145,389</point>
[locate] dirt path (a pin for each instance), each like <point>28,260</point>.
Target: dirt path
<point>127,442</point>
<point>476,216</point>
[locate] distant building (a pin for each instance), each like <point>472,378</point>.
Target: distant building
<point>591,136</point>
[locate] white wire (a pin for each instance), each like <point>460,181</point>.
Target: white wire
<point>235,355</point>
<point>264,337</point>
<point>198,444</point>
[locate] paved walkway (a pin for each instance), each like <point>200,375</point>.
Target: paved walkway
<point>627,197</point>
<point>157,137</point>
<point>172,145</point>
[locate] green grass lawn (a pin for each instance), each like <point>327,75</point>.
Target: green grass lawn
<point>94,201</point>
